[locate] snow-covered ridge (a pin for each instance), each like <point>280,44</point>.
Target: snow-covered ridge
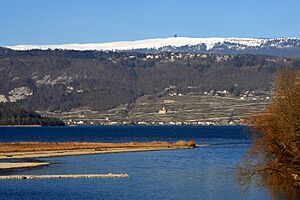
<point>210,43</point>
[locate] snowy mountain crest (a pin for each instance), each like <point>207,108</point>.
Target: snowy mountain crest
<point>179,44</point>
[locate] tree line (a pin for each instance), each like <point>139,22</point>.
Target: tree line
<point>14,114</point>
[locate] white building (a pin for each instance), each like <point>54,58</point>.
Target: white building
<point>163,111</point>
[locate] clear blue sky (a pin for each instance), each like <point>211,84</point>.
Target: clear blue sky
<point>85,21</point>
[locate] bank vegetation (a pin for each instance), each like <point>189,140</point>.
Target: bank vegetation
<point>274,157</point>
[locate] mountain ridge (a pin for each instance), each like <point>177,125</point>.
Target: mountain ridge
<point>154,43</point>
<point>268,46</point>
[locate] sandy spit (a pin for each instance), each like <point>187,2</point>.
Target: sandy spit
<point>10,165</point>
<point>57,153</point>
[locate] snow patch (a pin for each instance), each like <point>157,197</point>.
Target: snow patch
<point>210,43</point>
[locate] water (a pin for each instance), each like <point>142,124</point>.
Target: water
<point>121,133</point>
<point>201,173</point>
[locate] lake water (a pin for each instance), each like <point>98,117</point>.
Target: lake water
<point>201,173</point>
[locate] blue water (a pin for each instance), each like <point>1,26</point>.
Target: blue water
<point>201,173</point>
<point>121,133</point>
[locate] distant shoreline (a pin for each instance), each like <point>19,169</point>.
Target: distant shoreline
<point>124,125</point>
<point>20,125</point>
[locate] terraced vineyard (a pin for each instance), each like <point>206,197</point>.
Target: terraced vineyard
<point>195,109</point>
<point>190,109</point>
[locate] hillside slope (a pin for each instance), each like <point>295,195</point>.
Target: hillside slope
<point>57,80</point>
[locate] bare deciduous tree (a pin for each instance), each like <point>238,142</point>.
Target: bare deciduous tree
<point>274,157</point>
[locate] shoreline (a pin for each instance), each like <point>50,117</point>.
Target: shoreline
<point>110,175</point>
<point>12,165</point>
<point>78,152</point>
<point>21,125</point>
<point>25,150</point>
<point>110,125</point>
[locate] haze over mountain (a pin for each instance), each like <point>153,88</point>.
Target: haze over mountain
<point>267,46</point>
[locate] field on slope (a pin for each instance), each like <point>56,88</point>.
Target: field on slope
<point>189,109</point>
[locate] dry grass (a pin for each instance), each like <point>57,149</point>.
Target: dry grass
<point>50,146</point>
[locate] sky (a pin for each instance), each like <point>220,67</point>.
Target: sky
<point>88,21</point>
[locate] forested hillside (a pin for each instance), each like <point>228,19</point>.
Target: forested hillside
<point>61,80</point>
<point>14,114</point>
